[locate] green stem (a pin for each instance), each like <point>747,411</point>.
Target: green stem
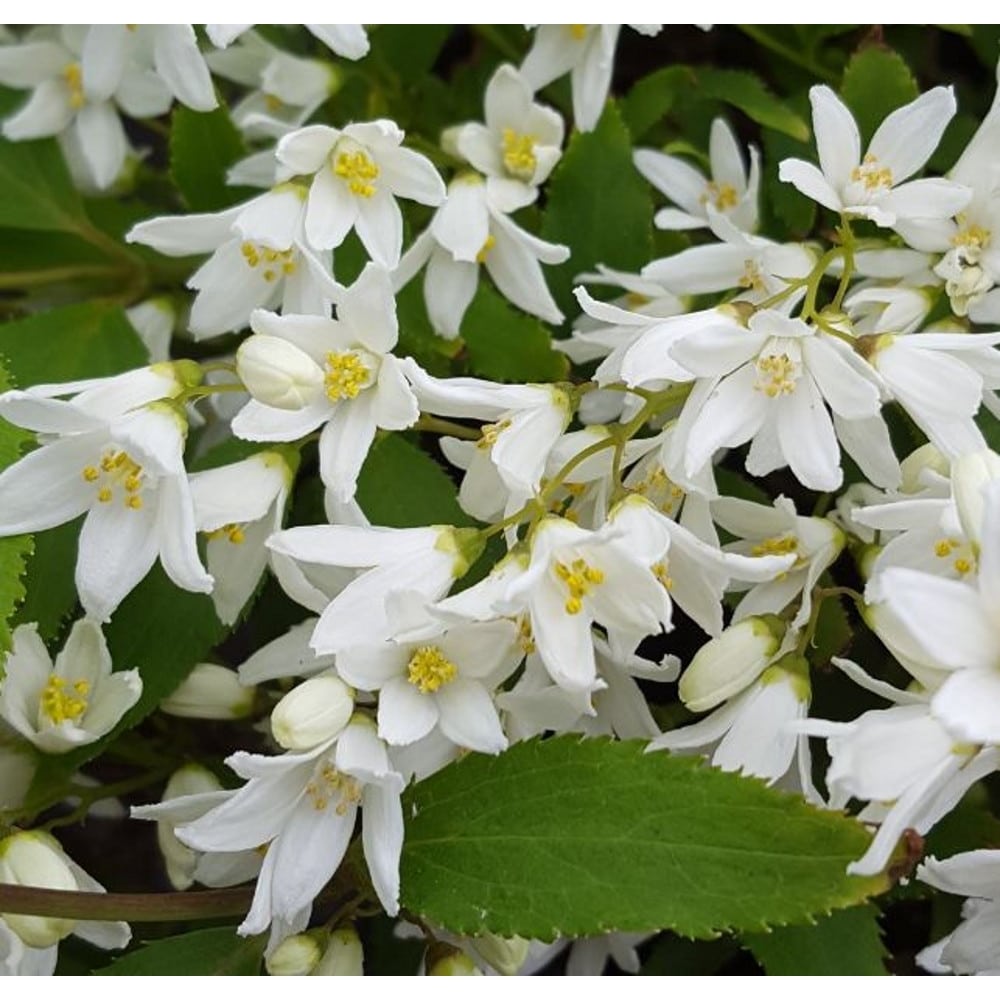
<point>438,426</point>
<point>88,796</point>
<point>847,243</point>
<point>52,275</point>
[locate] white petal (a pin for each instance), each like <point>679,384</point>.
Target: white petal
<point>449,288</point>
<point>929,198</point>
<point>837,140</point>
<point>103,60</point>
<point>469,717</point>
<point>31,63</point>
<point>411,175</point>
<point>344,444</point>
<point>681,183</point>
<point>906,139</point>
<point>368,309</point>
<point>102,140</point>
<point>811,182</point>
<point>382,837</point>
<point>404,714</point>
<point>182,67</point>
<point>808,441</point>
<point>968,703</point>
<point>305,151</point>
<point>380,227</point>
<point>47,112</point>
<point>331,211</point>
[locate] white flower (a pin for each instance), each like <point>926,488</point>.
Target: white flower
<point>422,560</point>
<point>872,187</point>
<point>180,860</point>
<point>126,472</point>
<point>730,191</point>
<point>443,680</point>
<point>344,375</point>
<point>358,172</point>
<point>585,50</point>
<point>210,691</point>
<point>303,807</point>
<point>520,142</point>
<point>239,506</point>
<point>347,40</point>
<point>312,713</point>
<point>472,229</point>
<point>259,258</point>
<point>73,702</point>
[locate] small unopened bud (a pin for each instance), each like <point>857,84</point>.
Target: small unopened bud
<point>312,713</point>
<point>450,962</point>
<point>210,692</point>
<point>181,860</point>
<point>343,956</point>
<point>277,373</point>
<point>726,665</point>
<point>506,955</point>
<point>925,458</point>
<point>35,858</point>
<point>297,955</point>
<point>970,475</point>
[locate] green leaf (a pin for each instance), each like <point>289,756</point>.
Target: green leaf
<point>598,205</point>
<point>876,82</point>
<point>36,191</point>
<point>652,97</point>
<point>793,209</point>
<point>407,50</point>
<point>747,92</point>
<point>846,943</point>
<point>203,146</point>
<point>833,633</point>
<point>16,548</point>
<point>51,590</point>
<point>86,340</point>
<point>575,837</point>
<point>401,486</point>
<point>508,346</point>
<point>218,951</point>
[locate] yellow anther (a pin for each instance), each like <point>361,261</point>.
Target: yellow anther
<point>61,705</point>
<point>359,170</point>
<point>329,785</point>
<point>721,196</point>
<point>580,578</point>
<point>871,174</point>
<point>429,669</point>
<point>269,275</point>
<point>661,572</point>
<point>288,267</point>
<point>519,154</point>
<point>525,637</point>
<point>133,502</point>
<point>778,375</point>
<point>943,547</point>
<point>235,534</point>
<point>751,278</point>
<point>276,261</point>
<point>133,482</point>
<point>346,375</point>
<point>91,473</point>
<point>273,103</point>
<point>578,32</point>
<point>777,546</point>
<point>104,494</point>
<point>962,566</point>
<point>73,75</point>
<point>484,250</point>
<point>635,300</point>
<point>490,433</point>
<point>116,469</point>
<point>971,236</point>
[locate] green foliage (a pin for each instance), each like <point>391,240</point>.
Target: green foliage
<point>792,208</point>
<point>876,82</point>
<point>85,340</point>
<point>748,93</point>
<point>570,836</point>
<point>48,581</point>
<point>652,97</point>
<point>845,943</point>
<point>203,146</point>
<point>217,951</point>
<point>36,191</point>
<point>598,205</point>
<point>401,486</point>
<point>833,633</point>
<point>507,346</point>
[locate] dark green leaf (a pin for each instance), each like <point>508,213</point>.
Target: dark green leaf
<point>794,211</point>
<point>876,82</point>
<point>203,146</point>
<point>87,340</point>
<point>846,943</point>
<point>401,486</point>
<point>833,633</point>
<point>508,346</point>
<point>51,590</point>
<point>652,97</point>
<point>217,951</point>
<point>407,50</point>
<point>747,92</point>
<point>598,205</point>
<point>574,837</point>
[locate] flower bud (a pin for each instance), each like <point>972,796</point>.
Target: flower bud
<point>506,955</point>
<point>277,373</point>
<point>210,692</point>
<point>970,475</point>
<point>180,860</point>
<point>452,963</point>
<point>926,457</point>
<point>35,858</point>
<point>343,955</point>
<point>297,955</point>
<point>726,665</point>
<point>312,713</point>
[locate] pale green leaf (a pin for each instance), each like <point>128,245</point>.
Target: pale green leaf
<point>217,951</point>
<point>573,837</point>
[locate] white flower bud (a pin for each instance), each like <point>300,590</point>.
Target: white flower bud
<point>969,476</point>
<point>926,457</point>
<point>35,858</point>
<point>210,692</point>
<point>277,373</point>
<point>312,713</point>
<point>454,964</point>
<point>726,665</point>
<point>506,955</point>
<point>297,955</point>
<point>180,860</point>
<point>343,956</point>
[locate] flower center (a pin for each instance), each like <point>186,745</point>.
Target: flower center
<point>578,32</point>
<point>661,571</point>
<point>117,470</point>
<point>429,669</point>
<point>490,433</point>
<point>62,701</point>
<point>871,174</point>
<point>346,375</point>
<point>778,375</point>
<point>330,785</point>
<point>73,75</point>
<point>358,170</point>
<point>658,488</point>
<point>580,578</point>
<point>751,278</point>
<point>722,196</point>
<point>519,154</point>
<point>965,559</point>
<point>275,262</point>
<point>971,236</point>
<point>232,532</point>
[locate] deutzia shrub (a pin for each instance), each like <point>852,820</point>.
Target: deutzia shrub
<point>484,500</point>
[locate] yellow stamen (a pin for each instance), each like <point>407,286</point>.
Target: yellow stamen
<point>429,669</point>
<point>490,433</point>
<point>871,174</point>
<point>580,578</point>
<point>346,375</point>
<point>777,375</point>
<point>722,196</point>
<point>60,702</point>
<point>91,473</point>
<point>777,546</point>
<point>578,32</point>
<point>519,154</point>
<point>661,572</point>
<point>484,250</point>
<point>328,785</point>
<point>73,75</point>
<point>359,170</point>
<point>971,236</point>
<point>117,469</point>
